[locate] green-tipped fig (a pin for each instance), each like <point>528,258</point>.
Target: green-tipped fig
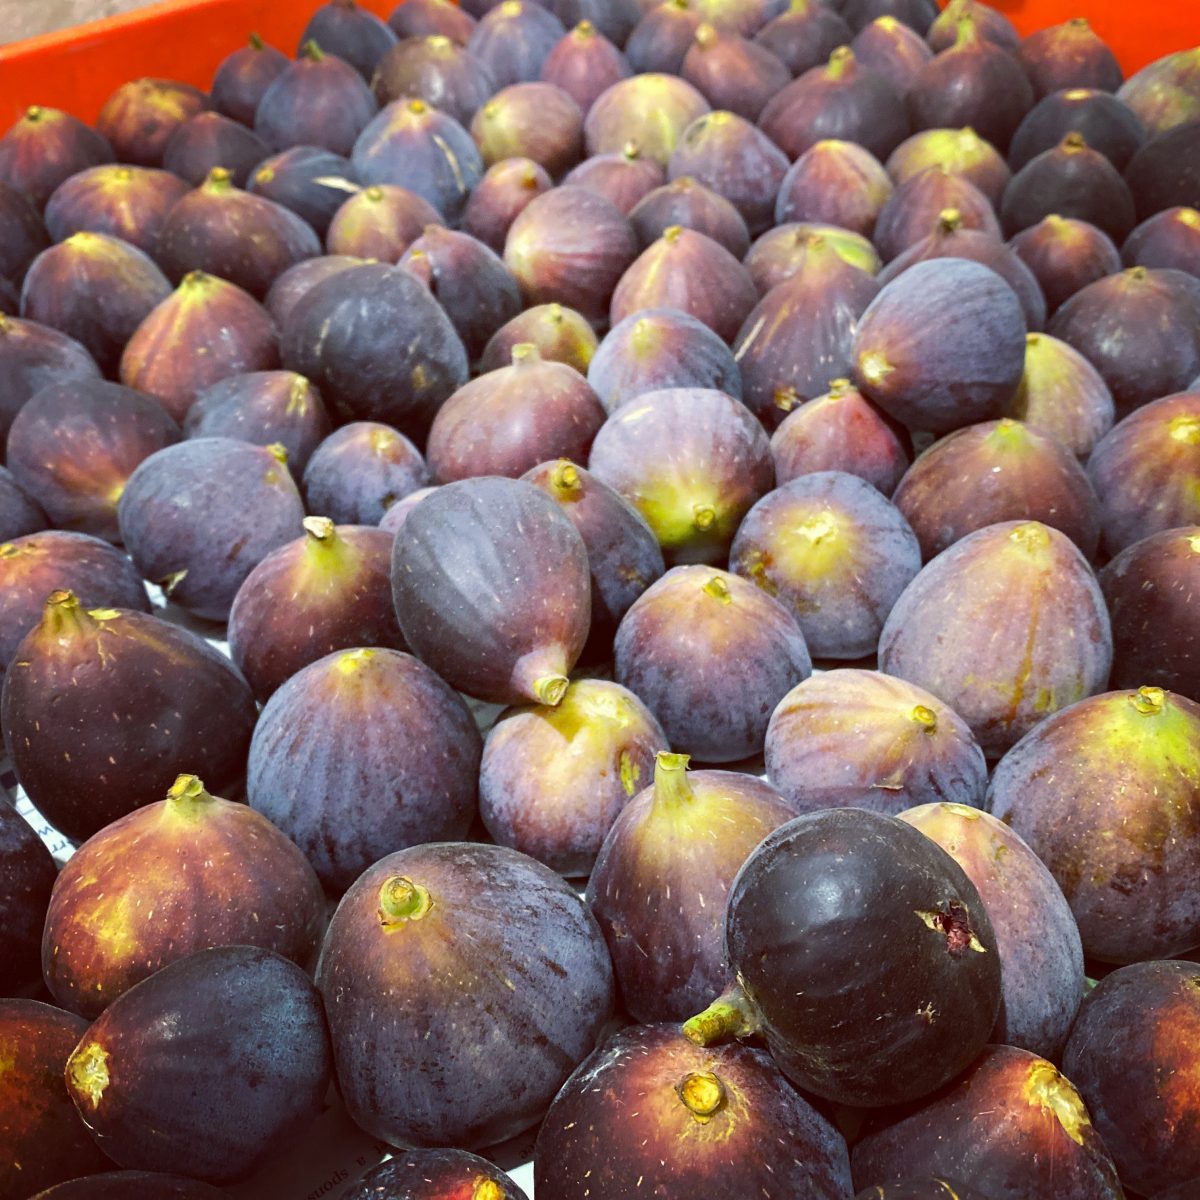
<point>1065,255</point>
<point>502,194</point>
<point>138,119</point>
<point>533,120</point>
<point>380,221</point>
<point>651,109</point>
<point>1163,94</point>
<point>834,181</point>
<point>46,146</point>
<point>957,152</point>
<point>625,177</point>
<point>1070,55</point>
<point>560,335</point>
<point>1168,239</point>
<point>783,251</point>
<point>686,202</point>
<point>242,78</point>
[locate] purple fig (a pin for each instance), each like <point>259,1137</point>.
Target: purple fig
<point>614,19</point>
<point>918,15</point>
<point>356,474</point>
<point>559,334</point>
<point>1069,55</point>
<point>10,301</point>
<point>398,512</point>
<point>836,182</point>
<point>513,40</point>
<point>892,49</point>
<point>992,24</point>
<point>585,64</point>
<point>1065,255</point>
<point>32,357</point>
<point>690,204</point>
<point>1164,173</point>
<point>530,120</point>
<point>28,877</point>
<point>137,120</point>
<point>426,18</point>
<point>45,147</point>
<point>914,209</point>
<point>296,282</point>
<point>20,513</point>
<point>242,78</point>
<point>354,34</point>
<point>500,197</point>
<point>379,222</point>
<point>732,73</point>
<point>210,140</point>
<point>651,110</point>
<point>804,35</point>
<point>1170,238</point>
<point>1105,124</point>
<point>1164,93</point>
<point>312,182</point>
<point>409,1174</point>
<point>957,152</point>
<point>625,178</point>
<point>784,251</point>
<point>22,234</point>
<point>437,70</point>
<point>660,41</point>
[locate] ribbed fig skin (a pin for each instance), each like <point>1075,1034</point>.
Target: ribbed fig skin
<point>1168,239</point>
<point>652,110</point>
<point>137,120</point>
<point>732,73</point>
<point>309,180</point>
<point>410,1174</point>
<point>625,178</point>
<point>513,39</point>
<point>20,513</point>
<point>836,182</point>
<point>804,36</point>
<point>892,49</point>
<point>28,873</point>
<point>33,356</point>
<point>585,64</point>
<point>211,140</point>
<point>1065,255</point>
<point>360,470</point>
<point>242,78</point>
<point>957,151</point>
<point>783,251</point>
<point>351,32</point>
<point>686,202</point>
<point>1069,55</point>
<point>530,120</point>
<point>45,147</point>
<point>913,210</point>
<point>560,335</point>
<point>1104,122</point>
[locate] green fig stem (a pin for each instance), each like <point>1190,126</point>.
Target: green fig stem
<point>34,112</point>
<point>220,179</point>
<point>631,151</point>
<point>321,532</point>
<point>729,1016</point>
<point>1189,217</point>
<point>966,32</point>
<point>256,42</point>
<point>564,479</point>
<point>1079,23</point>
<point>585,29</point>
<point>705,35</point>
<point>840,61</point>
<point>5,324</point>
<point>703,1095</point>
<point>1149,701</point>
<point>1074,142</point>
<point>312,51</point>
<point>718,589</point>
<point>704,517</point>
<point>925,717</point>
<point>278,451</point>
<point>949,220</point>
<point>525,354</point>
<point>550,689</point>
<point>875,367</point>
<point>671,234</point>
<point>64,614</point>
<point>839,388</point>
<point>671,786</point>
<point>187,794</point>
<point>785,398</point>
<point>401,900</point>
<point>487,1189</point>
<point>1030,535</point>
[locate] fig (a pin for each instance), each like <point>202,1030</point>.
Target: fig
<point>570,246</point>
<point>992,472</point>
<point>826,909</point>
<point>732,73</point>
<point>96,289</point>
<point>500,197</point>
<point>353,33</point>
<point>46,146</point>
<point>210,140</point>
<point>1163,173</point>
<point>892,49</point>
<point>721,1120</point>
<point>357,473</point>
<point>1065,255</point>
<point>379,222</point>
<point>320,100</point>
<point>438,71</point>
<point>955,151</point>
<point>650,109</point>
<point>74,446</point>
<point>530,120</point>
<point>1148,589</point>
<point>614,19</point>
<point>692,461</point>
<point>784,251</point>
<point>377,346</point>
<point>312,182</point>
<point>1142,1101</point>
<point>20,513</point>
<point>1163,94</point>
<point>453,1174</point>
<point>992,24</point>
<point>10,302</point>
<point>137,120</point>
<point>672,648</point>
<point>842,99</point>
<point>1069,55</point>
<point>941,346</point>
<point>918,15</point>
<point>235,1022</point>
<point>131,1185</point>
<point>397,514</point>
<point>28,875</point>
<point>804,35</point>
<point>998,579</point>
<point>242,78</point>
<point>513,40</point>
<point>559,334</point>
<point>476,1055</point>
<point>585,64</point>
<point>1170,238</point>
<point>924,1188</point>
<point>499,563</point>
<point>836,182</point>
<point>207,330</point>
<point>689,204</point>
<point>625,178</point>
<point>34,356</point>
<point>659,42</point>
<point>554,779</point>
<point>1104,123</point>
<point>166,698</point>
<point>296,282</point>
<point>1012,1125</point>
<point>916,206</point>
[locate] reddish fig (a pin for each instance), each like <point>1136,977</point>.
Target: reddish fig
<point>296,282</point>
<point>410,1174</point>
<point>32,357</point>
<point>1065,255</point>
<point>957,152</point>
<point>530,120</point>
<point>836,182</point>
<point>354,34</point>
<point>380,222</point>
<point>559,335</point>
<point>28,872</point>
<point>915,207</point>
<point>1103,122</point>
<point>437,70</point>
<point>732,73</point>
<point>585,64</point>
<point>1164,94</point>
<point>513,40</point>
<point>500,197</point>
<point>210,140</point>
<point>690,204</point>
<point>243,77</point>
<point>652,110</point>
<point>45,147</point>
<point>1168,239</point>
<point>992,24</point>
<point>1069,55</point>
<point>356,474</point>
<point>892,49</point>
<point>661,39</point>
<point>137,120</point>
<point>625,178</point>
<point>804,35</point>
<point>784,251</point>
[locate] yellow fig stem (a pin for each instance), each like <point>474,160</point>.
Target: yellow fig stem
<point>729,1016</point>
<point>671,786</point>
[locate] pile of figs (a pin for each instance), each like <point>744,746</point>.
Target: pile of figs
<point>618,576</point>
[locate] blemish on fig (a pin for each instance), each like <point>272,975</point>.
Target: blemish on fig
<point>88,1072</point>
<point>704,1095</point>
<point>953,923</point>
<point>1045,1087</point>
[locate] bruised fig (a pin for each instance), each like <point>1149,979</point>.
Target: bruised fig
<point>137,120</point>
<point>451,1174</point>
<point>380,221</point>
<point>296,282</point>
<point>660,41</point>
<point>28,873</point>
<point>732,73</point>
<point>310,181</point>
<point>955,152</point>
<point>242,78</point>
<point>33,356</point>
<point>513,40</point>
<point>1065,255</point>
<point>499,198</point>
<point>1104,123</point>
<point>1168,239</point>
<point>354,34</point>
<point>992,24</point>
<point>652,110</point>
<point>559,334</point>
<point>836,182</point>
<point>585,64</point>
<point>804,35</point>
<point>625,178</point>
<point>210,140</point>
<point>357,473</point>
<point>1069,55</point>
<point>892,49</point>
<point>530,120</point>
<point>688,203</point>
<point>784,251</point>
<point>44,147</point>
<point>916,206</point>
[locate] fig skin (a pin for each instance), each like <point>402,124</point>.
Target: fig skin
<point>209,140</point>
<point>658,888</point>
<point>1012,1124</point>
<point>1144,1103</point>
<point>856,737</point>
<point>560,335</point>
<point>10,301</point>
<point>360,753</point>
<point>311,182</point>
<point>732,73</point>
<point>131,1185</point>
<point>491,585</point>
<point>513,39</point>
<point>354,34</point>
<point>167,880</point>
<point>1163,173</point>
<point>625,178</point>
<point>22,232</point>
<point>46,146</point>
<point>553,780</point>
<point>1133,895</point>
<point>673,650</point>
<point>1148,589</point>
<point>74,446</point>
<point>804,35</point>
<point>381,222</point>
<point>426,18</point>
<point>892,906</point>
<point>958,152</point>
<point>585,64</point>
<point>296,282</point>
<point>137,120</point>
<point>784,251</point>
<point>892,49</point>
<point>434,1175</point>
<point>1000,579</point>
<point>1069,55</point>
<point>992,472</point>
<point>1162,93</point>
<point>686,202</point>
<point>915,207</point>
<point>328,590</point>
<point>357,473</point>
<point>650,109</point>
<point>1065,255</point>
<point>661,39</point>
<point>692,461</point>
<point>242,78</point>
<point>836,182</point>
<point>993,26</point>
<point>924,1188</point>
<point>530,120</point>
<point>1105,124</point>
<point>763,1135</point>
<point>167,697</point>
<point>959,364</point>
<point>28,872</point>
<point>235,1022</point>
<point>20,513</point>
<point>397,514</point>
<point>34,356</point>
<point>1170,238</point>
<point>500,197</point>
<point>42,1140</point>
<point>918,15</point>
<point>422,1060</point>
<point>1041,957</point>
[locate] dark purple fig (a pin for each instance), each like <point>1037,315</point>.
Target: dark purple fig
<point>676,648</point>
<point>688,203</point>
<point>625,178</point>
<point>841,431</point>
<point>853,737</point>
<point>137,120</point>
<point>74,446</point>
<point>1069,55</point>
<point>1065,255</point>
<point>357,473</point>
<point>1105,124</point>
<point>918,15</point>
<point>1164,173</point>
<point>131,203</point>
<point>692,461</point>
<point>721,1120</point>
<point>96,289</point>
<point>530,120</point>
<point>659,852</point>
<point>784,251</point>
<point>941,346</point>
<point>856,943</point>
<point>957,152</point>
<point>585,64</point>
<point>296,282</point>
<point>1134,896</point>
<point>10,300</point>
<point>312,182</point>
<point>513,40</point>
<point>799,337</point>
<point>661,348</point>
<point>168,701</point>
<point>570,246</point>
<point>45,147</point>
<point>379,222</point>
<point>1164,94</point>
<point>377,346</point>
<point>661,39</point>
<point>975,83</point>
<point>177,876</point>
<point>354,34</point>
<point>732,73</point>
<point>1023,598</point>
<point>500,197</point>
<point>33,566</point>
<point>27,872</point>
<point>205,331</point>
<point>836,182</point>
<point>842,99</point>
<point>1170,238</point>
<point>320,100</point>
<point>554,779</point>
<point>434,1174</point>
<point>1143,1099</point>
<point>926,1187</point>
<point>20,513</point>
<point>615,19</point>
<point>652,110</point>
<point>499,563</point>
<point>242,78</point>
<point>804,35</point>
<point>437,70</point>
<point>1041,957</point>
<point>992,24</point>
<point>22,234</point>
<point>132,1185</point>
<point>235,1021</point>
<point>263,407</point>
<point>559,335</point>
<point>408,1043</point>
<point>32,357</point>
<point>1011,1124</point>
<point>42,1140</point>
<point>210,140</point>
<point>892,49</point>
<point>398,512</point>
<point>915,207</point>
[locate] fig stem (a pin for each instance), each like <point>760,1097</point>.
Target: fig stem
<point>320,531</point>
<point>671,786</point>
<point>401,900</point>
<point>186,792</point>
<point>1149,701</point>
<point>565,478</point>
<point>64,613</point>
<point>729,1016</point>
<point>312,51</point>
<point>550,689</point>
<point>256,42</point>
<point>87,1069</point>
